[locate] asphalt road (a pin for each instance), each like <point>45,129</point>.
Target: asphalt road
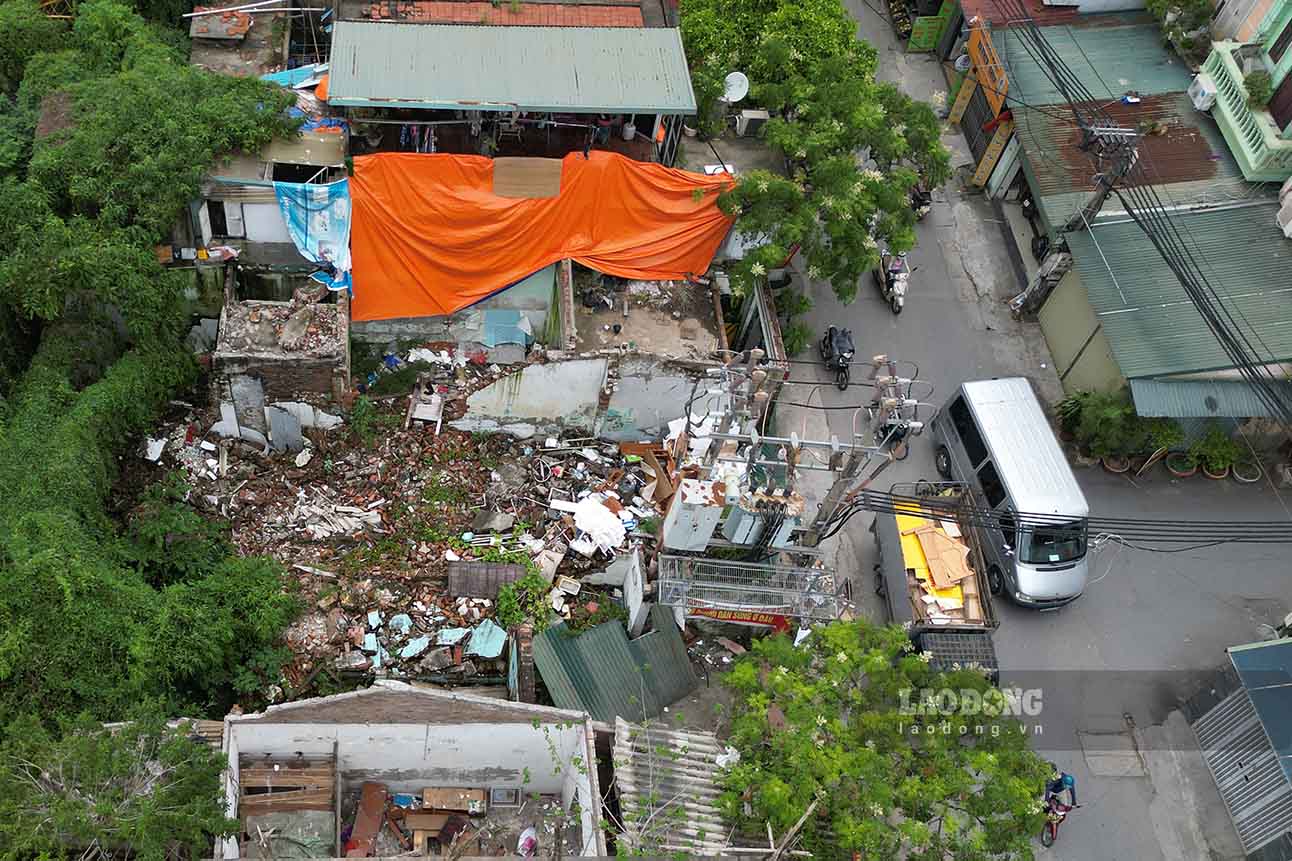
<point>1152,626</point>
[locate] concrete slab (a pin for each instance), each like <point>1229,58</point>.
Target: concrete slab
<point>284,430</point>
<point>1111,754</point>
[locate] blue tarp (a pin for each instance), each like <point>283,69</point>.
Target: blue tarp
<point>299,75</point>
<point>318,218</point>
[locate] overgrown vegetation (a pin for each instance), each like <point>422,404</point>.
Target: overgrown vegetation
<point>1186,24</point>
<point>153,789</point>
<point>824,722</point>
<point>99,615</point>
<point>1105,424</point>
<point>818,82</point>
<point>524,601</point>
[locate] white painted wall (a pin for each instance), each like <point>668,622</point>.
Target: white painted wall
<point>264,223</point>
<point>410,757</point>
<point>1094,7</point>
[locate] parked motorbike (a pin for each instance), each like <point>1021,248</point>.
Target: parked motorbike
<point>1055,812</point>
<point>837,350</point>
<point>921,201</point>
<point>892,278</point>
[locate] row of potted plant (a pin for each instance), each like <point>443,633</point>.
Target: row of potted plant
<point>1105,426</point>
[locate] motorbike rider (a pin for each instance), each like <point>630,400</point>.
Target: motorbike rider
<point>1061,782</point>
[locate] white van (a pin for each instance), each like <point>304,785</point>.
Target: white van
<point>993,435</point>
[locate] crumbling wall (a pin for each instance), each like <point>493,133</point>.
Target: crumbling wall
<point>532,297</point>
<point>647,393</point>
<point>411,757</point>
<point>547,398</point>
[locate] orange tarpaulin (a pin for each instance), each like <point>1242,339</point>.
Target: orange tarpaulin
<point>428,235</point>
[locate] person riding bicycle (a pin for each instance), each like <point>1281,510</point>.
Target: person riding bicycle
<point>1055,788</point>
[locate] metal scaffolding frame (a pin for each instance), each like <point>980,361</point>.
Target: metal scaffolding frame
<point>693,582</point>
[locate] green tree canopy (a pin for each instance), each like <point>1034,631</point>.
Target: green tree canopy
<point>824,720</point>
<point>140,788</point>
<point>830,119</point>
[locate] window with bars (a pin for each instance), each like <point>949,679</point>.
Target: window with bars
<point>1280,46</point>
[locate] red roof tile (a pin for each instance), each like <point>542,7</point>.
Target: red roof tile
<point>525,14</point>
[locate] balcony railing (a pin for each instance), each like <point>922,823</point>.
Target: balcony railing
<point>1261,153</point>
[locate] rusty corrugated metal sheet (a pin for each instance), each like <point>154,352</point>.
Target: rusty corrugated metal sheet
<point>1188,162</point>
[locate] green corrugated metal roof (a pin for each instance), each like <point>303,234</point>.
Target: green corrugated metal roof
<point>1199,399</point>
<point>604,674</point>
<point>1151,325</point>
<point>581,69</point>
<point>1107,60</point>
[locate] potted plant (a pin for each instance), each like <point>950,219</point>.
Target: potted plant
<point>1247,470</point>
<point>1216,453</point>
<point>1181,464</point>
<point>1161,436</point>
<point>1068,412</point>
<point>1109,429</point>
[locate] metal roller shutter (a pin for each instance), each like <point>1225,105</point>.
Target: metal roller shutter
<point>977,115</point>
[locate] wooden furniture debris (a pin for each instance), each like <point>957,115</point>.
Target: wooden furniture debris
<point>424,405</point>
<point>470,801</point>
<point>368,820</point>
<point>288,783</point>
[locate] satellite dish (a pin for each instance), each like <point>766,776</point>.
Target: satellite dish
<point>735,87</point>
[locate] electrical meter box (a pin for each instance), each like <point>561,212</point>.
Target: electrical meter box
<point>693,516</point>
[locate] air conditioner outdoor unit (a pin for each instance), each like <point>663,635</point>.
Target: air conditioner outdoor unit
<point>750,121</point>
<point>1202,92</point>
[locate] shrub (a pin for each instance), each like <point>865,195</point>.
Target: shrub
<point>796,336</point>
<point>1260,88</point>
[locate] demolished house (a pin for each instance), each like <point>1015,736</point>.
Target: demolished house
<point>395,769</point>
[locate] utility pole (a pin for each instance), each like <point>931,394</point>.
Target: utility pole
<point>1112,142</point>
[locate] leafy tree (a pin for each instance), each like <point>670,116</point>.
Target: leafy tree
<point>25,32</point>
<point>139,790</point>
<point>824,721</point>
<point>817,81</point>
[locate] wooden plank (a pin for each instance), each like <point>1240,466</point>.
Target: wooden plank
<point>367,821</point>
<point>962,98</point>
<point>991,157</point>
<point>455,799</point>
<point>426,821</point>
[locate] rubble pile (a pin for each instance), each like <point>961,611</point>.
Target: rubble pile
<point>298,327</point>
<point>369,528</point>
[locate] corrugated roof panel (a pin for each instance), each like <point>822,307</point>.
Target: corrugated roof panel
<point>666,669</point>
<point>1108,61</point>
<point>671,775</point>
<point>1028,458</point>
<point>582,69</point>
<point>601,672</point>
<point>1151,324</point>
<point>1189,162</point>
<point>1199,399</point>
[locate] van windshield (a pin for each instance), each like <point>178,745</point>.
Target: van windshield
<point>1051,545</point>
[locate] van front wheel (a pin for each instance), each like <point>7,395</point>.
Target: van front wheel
<point>995,580</point>
<point>942,462</point>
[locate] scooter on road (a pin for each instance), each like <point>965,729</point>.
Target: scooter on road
<point>892,277</point>
<point>837,351</point>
